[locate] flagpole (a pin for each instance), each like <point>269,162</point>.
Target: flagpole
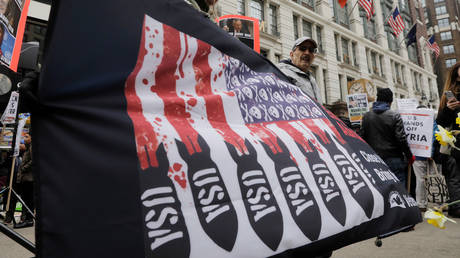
<point>348,14</point>
<point>405,36</point>
<point>391,13</point>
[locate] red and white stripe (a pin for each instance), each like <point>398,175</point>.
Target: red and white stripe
<point>367,5</point>
<point>397,24</point>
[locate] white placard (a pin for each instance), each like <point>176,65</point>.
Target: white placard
<point>418,125</point>
<point>9,115</point>
<point>407,104</point>
<point>22,122</point>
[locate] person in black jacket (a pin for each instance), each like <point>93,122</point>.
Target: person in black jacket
<point>447,114</point>
<point>383,130</point>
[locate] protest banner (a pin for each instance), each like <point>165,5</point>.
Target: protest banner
<point>357,106</point>
<point>407,104</point>
<point>418,125</point>
<point>13,16</point>
<point>196,146</point>
<point>245,29</point>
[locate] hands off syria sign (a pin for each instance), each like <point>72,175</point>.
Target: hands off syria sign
<point>418,125</point>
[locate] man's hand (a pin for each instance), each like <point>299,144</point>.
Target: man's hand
<point>453,104</point>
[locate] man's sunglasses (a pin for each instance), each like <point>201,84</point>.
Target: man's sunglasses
<point>312,50</point>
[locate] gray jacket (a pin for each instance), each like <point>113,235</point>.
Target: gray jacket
<point>305,81</point>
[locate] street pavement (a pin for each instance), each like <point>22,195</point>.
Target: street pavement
<point>426,241</point>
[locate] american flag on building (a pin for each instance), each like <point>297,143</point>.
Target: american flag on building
<point>433,46</point>
<point>367,5</point>
<point>396,22</point>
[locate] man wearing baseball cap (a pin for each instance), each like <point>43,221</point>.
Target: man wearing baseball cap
<point>297,67</point>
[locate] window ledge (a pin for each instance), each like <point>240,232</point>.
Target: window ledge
<point>378,77</point>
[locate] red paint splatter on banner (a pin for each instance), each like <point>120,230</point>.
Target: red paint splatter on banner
<point>146,141</point>
<point>147,28</point>
<point>151,45</point>
<point>316,130</point>
<point>192,102</point>
<point>145,81</point>
<point>165,78</point>
<point>266,135</point>
<point>158,119</point>
<point>181,181</point>
<point>296,135</point>
<point>214,104</point>
<point>345,129</point>
<point>334,130</point>
<point>181,66</point>
<point>230,93</point>
<point>177,166</point>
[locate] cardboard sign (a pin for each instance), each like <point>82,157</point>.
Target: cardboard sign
<point>418,125</point>
<point>357,106</point>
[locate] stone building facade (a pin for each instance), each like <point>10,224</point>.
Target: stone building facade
<point>441,18</point>
<point>350,46</point>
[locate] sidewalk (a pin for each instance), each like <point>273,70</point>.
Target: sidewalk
<point>426,241</point>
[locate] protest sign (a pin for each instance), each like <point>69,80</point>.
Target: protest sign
<point>246,29</point>
<point>407,104</point>
<point>13,16</point>
<point>19,133</point>
<point>418,125</point>
<point>357,106</point>
<point>197,146</point>
<point>9,115</point>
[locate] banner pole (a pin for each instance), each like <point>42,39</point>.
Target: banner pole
<point>348,14</point>
<point>10,184</point>
<point>409,174</point>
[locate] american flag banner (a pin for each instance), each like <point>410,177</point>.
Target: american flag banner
<point>433,46</point>
<point>396,22</point>
<point>177,140</point>
<point>368,6</point>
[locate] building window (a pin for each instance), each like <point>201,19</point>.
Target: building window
<point>345,53</point>
<point>448,49</point>
<point>310,4</point>
<point>295,21</point>
<point>450,62</point>
<point>277,58</point>
<point>307,29</point>
<point>341,14</point>
<point>374,63</point>
<point>440,10</point>
<point>368,26</point>
<point>256,9</point>
<point>381,65</point>
<point>398,74</point>
<point>403,4</point>
<point>446,35</point>
<point>240,8</point>
<point>443,22</point>
<point>264,53</point>
<point>326,97</point>
<point>319,39</point>
<point>412,54</point>
<point>355,56</point>
<point>336,39</point>
<point>343,88</point>
<point>273,20</point>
